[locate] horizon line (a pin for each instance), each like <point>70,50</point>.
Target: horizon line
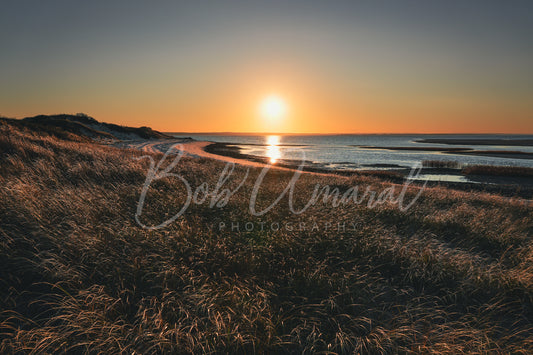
<point>335,134</point>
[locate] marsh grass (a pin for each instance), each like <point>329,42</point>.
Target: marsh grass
<point>514,171</point>
<point>448,164</point>
<point>453,274</point>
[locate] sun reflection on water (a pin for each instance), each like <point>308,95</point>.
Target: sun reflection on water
<point>273,152</point>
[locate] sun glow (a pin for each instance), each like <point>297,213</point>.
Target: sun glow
<point>273,107</point>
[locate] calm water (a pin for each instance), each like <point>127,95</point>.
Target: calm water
<point>339,151</point>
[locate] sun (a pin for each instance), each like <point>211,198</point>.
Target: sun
<point>273,107</point>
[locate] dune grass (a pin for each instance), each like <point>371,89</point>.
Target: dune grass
<point>448,164</point>
<point>453,274</point>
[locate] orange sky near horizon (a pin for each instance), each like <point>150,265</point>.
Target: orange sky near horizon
<point>316,115</point>
<point>309,111</point>
<point>315,105</point>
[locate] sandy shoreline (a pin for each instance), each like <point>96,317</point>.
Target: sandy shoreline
<point>196,149</point>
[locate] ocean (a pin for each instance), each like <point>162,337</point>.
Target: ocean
<point>342,152</point>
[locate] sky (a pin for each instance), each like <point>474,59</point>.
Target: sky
<point>339,66</point>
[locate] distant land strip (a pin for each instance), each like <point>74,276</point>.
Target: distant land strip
<point>511,154</point>
<point>426,149</point>
<point>485,141</point>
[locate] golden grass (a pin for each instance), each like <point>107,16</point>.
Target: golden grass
<point>451,275</point>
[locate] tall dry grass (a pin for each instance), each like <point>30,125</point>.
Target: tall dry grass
<point>451,275</point>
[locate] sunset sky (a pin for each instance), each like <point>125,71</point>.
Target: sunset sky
<point>339,66</point>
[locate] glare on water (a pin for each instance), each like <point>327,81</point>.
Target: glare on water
<point>273,152</point>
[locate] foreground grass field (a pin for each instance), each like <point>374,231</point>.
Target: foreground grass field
<point>452,274</point>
